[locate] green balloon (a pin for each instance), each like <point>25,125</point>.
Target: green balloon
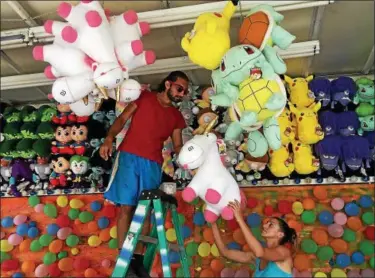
<point>366,247</point>
<point>349,235</point>
<point>45,240</point>
<point>73,213</point>
<point>179,272</point>
<point>49,258</point>
<point>4,256</point>
<point>181,219</point>
<point>257,233</point>
<point>86,216</point>
<point>308,217</point>
<point>368,218</point>
<point>50,210</point>
<point>190,261</point>
<point>195,201</point>
<point>35,245</point>
<point>324,253</point>
<point>62,254</point>
<point>72,240</point>
<point>33,200</point>
<point>191,249</point>
<point>309,246</point>
<point>113,243</point>
<point>372,262</point>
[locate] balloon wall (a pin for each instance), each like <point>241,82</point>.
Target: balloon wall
<point>75,235</point>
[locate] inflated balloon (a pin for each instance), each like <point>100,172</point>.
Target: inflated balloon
<point>352,209</point>
<point>239,237</point>
<point>372,262</point>
<point>81,263</point>
<point>62,255</point>
<point>337,204</point>
<point>109,211</point>
<point>208,235</point>
<point>4,256</point>
<point>25,245</point>
<point>308,217</point>
<point>74,251</point>
<point>302,262</point>
<point>173,257</point>
<point>113,243</point>
<point>368,218</point>
<point>9,265</point>
<point>106,263</point>
<point>253,220</point>
<point>2,235</point>
<point>28,266</point>
<point>7,222</point>
<point>171,235</point>
<point>62,201</point>
<point>49,258</point>
<point>53,270</point>
<point>354,223</point>
<point>63,221</point>
<point>320,192</point>
<point>39,208</point>
<point>103,222</point>
<point>343,260</point>
<point>113,232</point>
<point>297,208</point>
<point>320,237</point>
<point>55,246</point>
<point>217,265</point>
<point>50,210</point>
<point>66,264</point>
<point>41,271</point>
<point>365,201</point>
<point>96,206</point>
<point>32,232</point>
<point>94,241</point>
<point>305,274</point>
<point>325,217</point>
<point>86,217</point>
<point>186,232</point>
<point>33,200</point>
<point>338,273</point>
<point>204,249</point>
<point>22,229</point>
<point>206,273</point>
<point>370,232</point>
<point>349,235</point>
<point>35,246</point>
<point>214,250</point>
<point>104,235</point>
<point>242,273</point>
<point>227,272</point>
<point>19,219</point>
<point>15,239</point>
<point>90,272</point>
<point>354,273</point>
<point>367,273</point>
<point>52,229</point>
<point>366,247</point>
<point>198,219</point>
<point>45,240</point>
<point>358,258</point>
<point>63,233</point>
<point>191,249</point>
<point>335,230</point>
<point>339,245</point>
<point>309,246</point>
<point>284,206</point>
<point>340,218</point>
<point>73,213</point>
<point>76,203</point>
<point>252,202</point>
<point>72,240</point>
<point>234,245</point>
<point>324,253</point>
<point>5,246</point>
<point>92,226</point>
<point>320,275</point>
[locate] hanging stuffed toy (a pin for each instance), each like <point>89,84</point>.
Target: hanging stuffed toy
<point>64,115</point>
<point>211,182</point>
<point>45,130</point>
<point>42,167</point>
<point>329,123</point>
<point>230,160</point>
<point>299,93</point>
<point>343,90</point>
<point>61,175</point>
<point>367,124</point>
<point>286,127</point>
<point>365,92</point>
<point>304,161</point>
<point>321,87</point>
<point>63,141</point>
<point>6,172</point>
<point>209,40</point>
<point>281,162</point>
<point>12,114</point>
<point>79,166</point>
<point>12,131</point>
<point>46,113</point>
<point>355,154</point>
<point>329,152</point>
<point>78,134</point>
<point>347,123</point>
<point>29,130</point>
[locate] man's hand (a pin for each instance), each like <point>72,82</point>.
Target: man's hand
<point>106,149</point>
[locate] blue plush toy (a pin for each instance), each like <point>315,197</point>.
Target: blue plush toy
<point>321,87</point>
<point>370,136</point>
<point>347,123</point>
<point>329,152</point>
<point>355,150</point>
<point>343,90</point>
<point>328,122</point>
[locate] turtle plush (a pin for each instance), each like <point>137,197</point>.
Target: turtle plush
<point>12,131</point>
<point>29,114</point>
<point>12,114</point>
<point>29,130</point>
<point>367,124</point>
<point>45,130</point>
<point>343,90</point>
<point>46,113</point>
<point>365,92</point>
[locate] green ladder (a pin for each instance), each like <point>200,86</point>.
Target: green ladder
<point>160,202</point>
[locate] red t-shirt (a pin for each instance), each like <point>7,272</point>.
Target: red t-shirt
<point>151,125</point>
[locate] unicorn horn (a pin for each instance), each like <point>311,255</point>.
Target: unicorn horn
<point>118,94</point>
<point>85,100</point>
<point>104,92</point>
<point>210,126</point>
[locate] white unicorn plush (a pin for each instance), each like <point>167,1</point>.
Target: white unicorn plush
<point>212,182</point>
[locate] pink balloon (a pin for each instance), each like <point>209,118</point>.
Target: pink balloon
<point>227,272</point>
<point>335,230</point>
<point>367,273</point>
<point>305,274</point>
<point>337,204</point>
<point>153,274</point>
<point>63,233</point>
<point>41,271</point>
<point>39,208</point>
<point>295,273</point>
<point>2,235</point>
<point>19,219</point>
<point>15,239</point>
<point>340,218</point>
<point>242,273</point>
<point>106,263</point>
<point>354,274</point>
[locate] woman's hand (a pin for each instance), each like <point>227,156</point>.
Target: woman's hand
<point>236,208</point>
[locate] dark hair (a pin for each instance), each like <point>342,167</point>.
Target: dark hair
<point>290,235</point>
<point>173,76</point>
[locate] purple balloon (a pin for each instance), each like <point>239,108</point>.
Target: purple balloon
<point>367,273</point>
<point>354,274</point>
<point>242,273</point>
<point>340,218</point>
<point>227,272</point>
<point>335,230</point>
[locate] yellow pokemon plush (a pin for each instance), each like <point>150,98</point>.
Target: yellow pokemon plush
<point>298,89</point>
<point>281,162</point>
<point>209,40</point>
<point>304,161</point>
<point>309,130</point>
<point>287,131</point>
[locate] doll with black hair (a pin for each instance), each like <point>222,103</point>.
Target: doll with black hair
<point>63,141</point>
<point>78,134</point>
<point>61,175</point>
<point>64,115</point>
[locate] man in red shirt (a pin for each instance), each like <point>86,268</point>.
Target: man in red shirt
<point>139,159</point>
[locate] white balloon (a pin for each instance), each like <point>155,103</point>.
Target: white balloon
<point>81,109</point>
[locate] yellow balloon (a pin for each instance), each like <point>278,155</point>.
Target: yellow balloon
<point>76,204</point>
<point>5,246</point>
<point>204,249</point>
<point>62,201</point>
<point>171,235</point>
<point>94,241</point>
<point>113,232</point>
<point>338,273</point>
<point>320,275</point>
<point>74,251</point>
<point>214,250</point>
<point>297,208</point>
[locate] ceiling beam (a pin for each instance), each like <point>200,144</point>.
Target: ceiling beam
<point>16,6</point>
<point>369,63</point>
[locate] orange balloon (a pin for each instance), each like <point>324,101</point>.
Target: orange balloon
<point>207,273</point>
<point>302,262</point>
<point>77,221</point>
<point>295,225</point>
<point>168,225</point>
<point>104,235</point>
<point>90,272</point>
<point>308,204</point>
<point>66,264</point>
<point>320,237</point>
<point>55,246</point>
<point>25,245</point>
<point>320,192</point>
<point>92,226</point>
<point>246,248</point>
<point>354,223</point>
<point>208,235</point>
<point>338,245</point>
<point>217,265</point>
<point>28,267</point>
<point>238,237</point>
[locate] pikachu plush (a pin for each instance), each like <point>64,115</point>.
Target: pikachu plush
<point>298,89</point>
<point>281,162</point>
<point>304,161</point>
<point>209,40</point>
<point>287,131</point>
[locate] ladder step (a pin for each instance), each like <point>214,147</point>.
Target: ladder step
<point>148,239</point>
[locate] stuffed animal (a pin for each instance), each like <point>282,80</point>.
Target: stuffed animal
<point>256,164</point>
<point>78,134</point>
<point>367,124</point>
<point>365,92</point>
<point>211,182</point>
<point>370,136</point>
<point>25,149</point>
<point>299,93</point>
<point>329,123</point>
<point>205,101</point>
<point>12,114</point>
<point>21,171</point>
<point>8,148</point>
<point>365,109</point>
<point>46,113</point>
<point>281,162</point>
<point>209,40</point>
<point>343,90</point>
<point>95,135</point>
<point>167,166</point>
<point>129,91</point>
<point>304,161</point>
<point>321,87</point>
<point>286,127</point>
<point>29,114</point>
<point>347,123</point>
<point>45,130</point>
<point>309,130</point>
<point>60,176</point>
<point>204,117</point>
<point>42,167</point>
<point>29,130</point>
<point>231,159</point>
<point>63,140</point>
<point>6,169</point>
<point>12,131</point>
<point>329,152</point>
<point>64,115</point>
<point>79,166</point>
<point>355,151</point>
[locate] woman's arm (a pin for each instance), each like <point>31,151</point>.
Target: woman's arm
<point>234,255</point>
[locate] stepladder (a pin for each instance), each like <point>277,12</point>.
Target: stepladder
<point>159,202</point>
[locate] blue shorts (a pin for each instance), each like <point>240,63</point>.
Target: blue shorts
<point>131,174</point>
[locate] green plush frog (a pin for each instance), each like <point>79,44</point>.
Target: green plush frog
<point>8,148</point>
<point>365,92</point>
<point>29,130</point>
<point>12,131</point>
<point>29,114</point>
<point>46,113</point>
<point>45,131</point>
<point>25,148</point>
<point>12,115</point>
<point>367,124</point>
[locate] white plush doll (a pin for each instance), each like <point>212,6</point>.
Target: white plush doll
<point>130,90</point>
<point>84,107</point>
<point>212,181</point>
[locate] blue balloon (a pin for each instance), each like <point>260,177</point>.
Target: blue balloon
<point>326,217</point>
<point>52,229</point>
<point>358,258</point>
<point>7,222</point>
<point>234,245</point>
<point>254,220</point>
<point>32,232</point>
<point>17,275</point>
<point>365,201</point>
<point>95,206</point>
<point>186,232</point>
<point>342,260</point>
<point>32,224</point>
<point>103,222</point>
<point>351,209</point>
<point>173,256</point>
<point>22,229</point>
<point>198,219</point>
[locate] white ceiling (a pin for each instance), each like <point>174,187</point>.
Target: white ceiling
<point>346,39</point>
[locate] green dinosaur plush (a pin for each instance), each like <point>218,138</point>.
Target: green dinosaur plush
<point>45,131</point>
<point>365,92</point>
<point>12,114</point>
<point>12,131</point>
<point>46,113</point>
<point>25,148</point>
<point>365,109</point>
<point>8,148</point>
<point>367,124</point>
<point>29,114</point>
<point>29,130</point>
<point>42,147</point>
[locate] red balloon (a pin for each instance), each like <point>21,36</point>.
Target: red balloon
<point>232,224</point>
<point>268,210</point>
<point>81,264</point>
<point>109,211</point>
<point>9,265</point>
<point>252,202</point>
<point>53,270</point>
<point>63,221</point>
<point>284,207</point>
<point>370,232</point>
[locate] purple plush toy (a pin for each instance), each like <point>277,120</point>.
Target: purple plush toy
<point>355,149</point>
<point>329,151</point>
<point>328,122</point>
<point>347,123</point>
<point>370,136</point>
<point>20,171</point>
<point>321,87</point>
<point>343,90</point>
